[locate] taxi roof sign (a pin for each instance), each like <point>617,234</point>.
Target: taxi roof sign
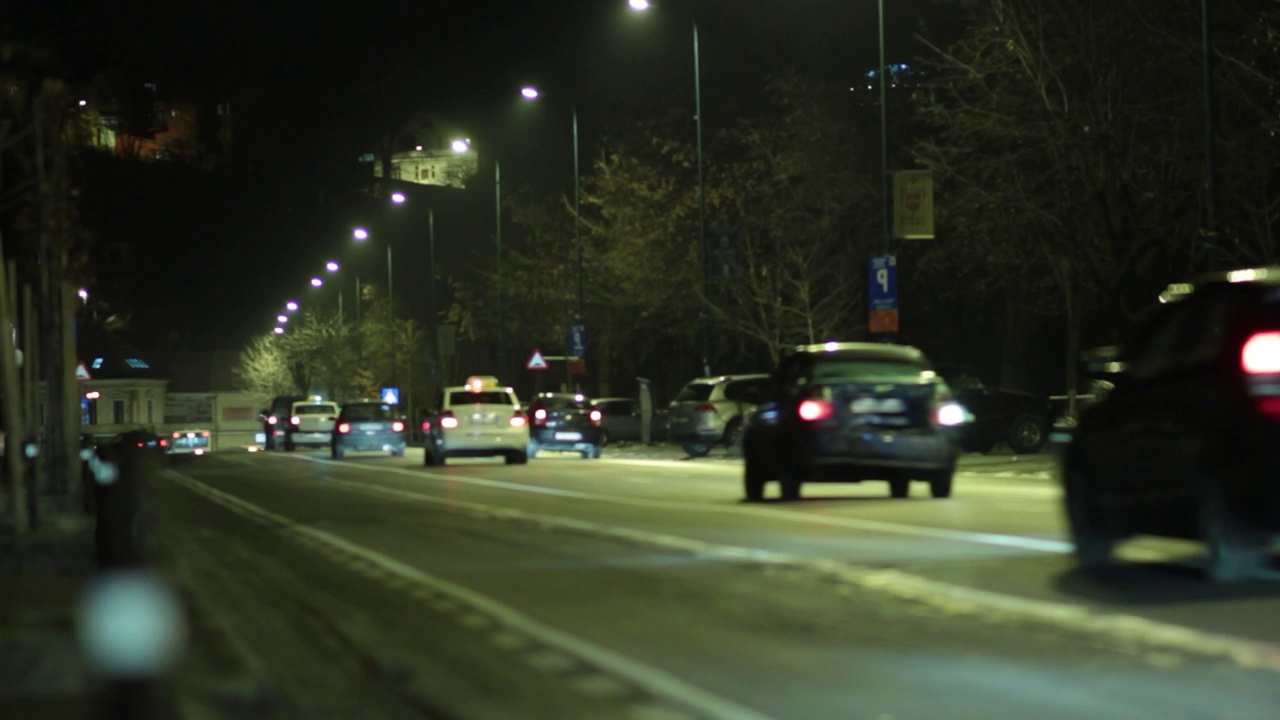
<point>477,383</point>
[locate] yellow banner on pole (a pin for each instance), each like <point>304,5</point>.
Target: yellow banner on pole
<point>913,205</point>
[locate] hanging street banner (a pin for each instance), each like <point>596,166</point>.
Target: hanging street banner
<point>913,205</point>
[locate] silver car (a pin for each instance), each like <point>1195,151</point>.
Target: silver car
<point>710,411</point>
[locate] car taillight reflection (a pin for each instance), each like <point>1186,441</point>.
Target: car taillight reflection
<point>295,420</point>
<point>540,416</point>
<point>397,426</point>
<point>272,419</point>
<point>518,420</point>
<point>448,421</point>
<point>426,426</point>
<point>814,410</point>
<point>344,428</point>
<point>595,416</point>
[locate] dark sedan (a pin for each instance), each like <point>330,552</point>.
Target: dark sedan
<point>564,421</point>
<point>848,412</point>
<point>368,426</point>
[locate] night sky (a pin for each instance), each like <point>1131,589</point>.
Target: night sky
<point>316,85</point>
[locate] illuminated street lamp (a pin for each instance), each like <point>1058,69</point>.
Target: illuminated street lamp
<point>641,6</point>
<point>529,92</point>
<point>282,319</point>
<point>360,234</point>
<point>316,282</point>
<point>331,266</point>
<point>291,306</point>
<point>460,146</point>
<point>278,330</point>
<point>84,294</point>
<point>398,197</point>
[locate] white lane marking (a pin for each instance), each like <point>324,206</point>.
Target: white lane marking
<point>1010,541</point>
<point>1117,628</point>
<point>654,680</point>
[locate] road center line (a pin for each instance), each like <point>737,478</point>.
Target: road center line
<point>652,679</point>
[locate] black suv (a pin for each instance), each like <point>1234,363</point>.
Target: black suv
<point>1187,443</point>
<point>564,421</point>
<point>275,420</point>
<point>372,426</point>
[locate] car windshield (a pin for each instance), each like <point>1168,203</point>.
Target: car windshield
<point>858,369</point>
<point>315,409</point>
<point>368,411</point>
<point>695,392</point>
<point>492,397</point>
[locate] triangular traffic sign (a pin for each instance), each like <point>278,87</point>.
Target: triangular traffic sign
<point>536,361</point>
<point>82,372</point>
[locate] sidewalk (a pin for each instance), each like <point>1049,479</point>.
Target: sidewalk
<point>42,573</point>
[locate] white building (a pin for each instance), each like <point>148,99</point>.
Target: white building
<point>431,167</point>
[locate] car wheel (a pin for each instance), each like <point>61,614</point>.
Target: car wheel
<point>289,446</point>
<point>269,443</point>
<point>595,452</point>
<point>696,450</point>
<point>1095,542</point>
<point>733,437</point>
<point>516,457</point>
<point>1235,550</point>
<point>1028,434</point>
<point>791,478</point>
<point>533,449</point>
<point>604,436</point>
<point>900,487</point>
<point>338,453</point>
<point>753,478</point>
<point>940,483</point>
<point>398,452</point>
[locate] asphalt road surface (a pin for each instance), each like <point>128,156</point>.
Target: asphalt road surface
<point>629,587</point>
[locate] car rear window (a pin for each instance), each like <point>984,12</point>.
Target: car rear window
<point>369,411</point>
<point>563,402</point>
<point>315,410</point>
<point>695,392</point>
<point>853,369</point>
<point>466,397</point>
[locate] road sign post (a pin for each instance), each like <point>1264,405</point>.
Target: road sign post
<point>537,361</point>
<point>390,395</point>
<point>882,294</point>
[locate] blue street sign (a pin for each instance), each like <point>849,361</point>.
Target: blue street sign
<point>391,396</point>
<point>578,341</point>
<point>882,286</point>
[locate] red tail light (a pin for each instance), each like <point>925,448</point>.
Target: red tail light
<point>539,416</point>
<point>426,426</point>
<point>814,410</point>
<point>164,442</point>
<point>705,408</point>
<point>596,416</point>
<point>519,420</point>
<point>272,419</point>
<point>176,434</point>
<point>447,420</point>
<point>1261,353</point>
<point>295,420</point>
<point>344,428</point>
<point>204,434</point>
<point>397,426</point>
<point>141,444</point>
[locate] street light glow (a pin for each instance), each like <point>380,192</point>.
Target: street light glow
<point>279,331</point>
<point>83,103</point>
<point>291,306</point>
<point>84,294</point>
<point>639,5</point>
<point>282,318</point>
<point>331,266</point>
<point>360,234</point>
<point>316,282</point>
<point>529,92</point>
<point>460,146</point>
<point>397,198</point>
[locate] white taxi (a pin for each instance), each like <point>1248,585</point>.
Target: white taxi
<point>479,419</point>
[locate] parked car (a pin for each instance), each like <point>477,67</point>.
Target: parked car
<point>275,420</point>
<point>621,421</point>
<point>311,424</point>
<point>711,411</point>
<point>849,412</point>
<point>194,441</point>
<point>1184,443</point>
<point>1019,419</point>
<point>564,421</point>
<point>368,426</point>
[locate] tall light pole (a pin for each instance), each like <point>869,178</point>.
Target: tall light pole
<point>884,134</point>
<point>642,6</point>
<point>1210,160</point>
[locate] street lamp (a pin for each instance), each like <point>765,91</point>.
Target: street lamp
<point>531,93</point>
<point>282,319</point>
<point>291,306</point>
<point>316,282</point>
<point>84,294</point>
<point>279,330</point>
<point>461,146</point>
<point>641,6</point>
<point>360,234</point>
<point>398,197</point>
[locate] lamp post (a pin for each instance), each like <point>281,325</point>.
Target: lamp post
<point>399,198</point>
<point>461,146</point>
<point>532,93</point>
<point>642,6</point>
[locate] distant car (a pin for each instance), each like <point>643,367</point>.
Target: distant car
<point>135,439</point>
<point>1019,419</point>
<point>368,426</point>
<point>711,411</point>
<point>621,421</point>
<point>564,421</point>
<point>1185,443</point>
<point>194,441</point>
<point>849,412</point>
<point>311,424</point>
<point>275,420</point>
<point>480,419</point>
